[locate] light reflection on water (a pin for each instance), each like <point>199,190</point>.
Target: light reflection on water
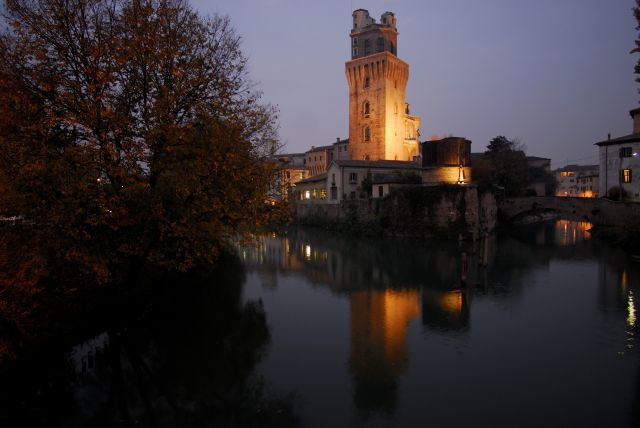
<point>548,310</point>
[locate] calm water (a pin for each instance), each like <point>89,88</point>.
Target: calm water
<point>388,333</point>
<point>320,330</point>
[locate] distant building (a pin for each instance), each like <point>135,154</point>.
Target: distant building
<point>380,124</point>
<point>290,168</point>
<point>577,181</point>
<point>618,161</point>
<point>317,159</point>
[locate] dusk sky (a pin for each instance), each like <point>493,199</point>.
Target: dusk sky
<point>556,74</point>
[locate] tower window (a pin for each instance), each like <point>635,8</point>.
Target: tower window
<point>367,47</point>
<point>380,45</point>
<point>367,134</point>
<point>355,41</point>
<point>365,109</point>
<point>355,51</point>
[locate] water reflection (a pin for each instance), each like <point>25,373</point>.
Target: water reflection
<point>187,363</point>
<point>379,322</point>
<point>571,232</point>
<point>391,284</point>
<point>387,289</point>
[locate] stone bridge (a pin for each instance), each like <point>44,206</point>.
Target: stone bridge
<point>599,211</point>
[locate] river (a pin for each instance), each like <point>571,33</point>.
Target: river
<point>533,328</point>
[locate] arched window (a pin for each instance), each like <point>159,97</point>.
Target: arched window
<point>367,134</point>
<point>366,109</point>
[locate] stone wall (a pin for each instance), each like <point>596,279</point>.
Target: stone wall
<point>446,210</point>
<point>445,174</point>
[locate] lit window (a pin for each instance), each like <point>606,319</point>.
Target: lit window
<point>323,193</point>
<point>307,194</point>
<point>626,176</point>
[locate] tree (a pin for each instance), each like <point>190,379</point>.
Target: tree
<point>129,132</point>
<point>508,165</point>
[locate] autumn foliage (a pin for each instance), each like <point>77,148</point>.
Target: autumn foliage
<point>130,134</point>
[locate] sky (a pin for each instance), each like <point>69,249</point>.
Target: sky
<point>555,74</point>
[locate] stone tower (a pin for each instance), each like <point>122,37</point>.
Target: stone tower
<point>380,125</point>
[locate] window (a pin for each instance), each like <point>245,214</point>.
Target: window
<point>353,177</point>
<point>365,109</point>
<point>355,51</point>
<point>626,175</point>
<point>367,47</point>
<point>334,193</point>
<point>392,48</point>
<point>380,44</point>
<point>355,41</point>
<point>625,152</point>
<point>367,82</point>
<point>323,193</point>
<point>367,134</point>
<point>333,178</point>
<point>380,191</point>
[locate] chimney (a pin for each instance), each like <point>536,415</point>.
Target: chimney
<point>635,114</point>
<point>337,139</point>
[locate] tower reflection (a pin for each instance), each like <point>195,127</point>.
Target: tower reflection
<point>379,323</point>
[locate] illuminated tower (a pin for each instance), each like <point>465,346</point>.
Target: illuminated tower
<point>380,126</point>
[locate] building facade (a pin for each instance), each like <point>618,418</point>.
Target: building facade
<point>380,124</point>
<point>573,180</point>
<point>620,162</point>
<point>350,179</point>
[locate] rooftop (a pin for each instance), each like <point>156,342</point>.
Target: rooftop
<point>578,168</point>
<point>314,179</point>
<point>320,148</point>
<point>631,138</point>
